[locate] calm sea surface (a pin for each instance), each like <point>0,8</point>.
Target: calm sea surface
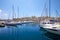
<point>22,32</point>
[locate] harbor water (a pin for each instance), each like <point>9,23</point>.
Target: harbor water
<point>23,32</point>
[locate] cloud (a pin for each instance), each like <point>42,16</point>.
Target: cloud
<point>0,10</point>
<point>3,14</point>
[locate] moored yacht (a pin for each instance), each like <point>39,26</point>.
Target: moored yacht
<point>50,24</point>
<point>52,28</point>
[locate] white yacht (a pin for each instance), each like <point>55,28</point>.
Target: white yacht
<point>51,26</point>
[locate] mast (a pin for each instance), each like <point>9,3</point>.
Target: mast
<point>12,11</point>
<point>49,8</point>
<point>57,13</point>
<point>44,10</point>
<point>18,11</point>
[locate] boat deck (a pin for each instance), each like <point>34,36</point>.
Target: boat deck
<point>55,31</point>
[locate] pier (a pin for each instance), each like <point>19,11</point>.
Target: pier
<point>18,23</point>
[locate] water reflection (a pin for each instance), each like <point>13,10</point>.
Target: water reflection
<point>22,32</point>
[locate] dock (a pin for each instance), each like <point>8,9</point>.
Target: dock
<point>17,23</point>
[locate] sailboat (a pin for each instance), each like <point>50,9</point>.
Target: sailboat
<point>52,26</point>
<point>14,21</point>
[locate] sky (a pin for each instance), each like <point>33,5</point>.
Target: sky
<point>27,8</point>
